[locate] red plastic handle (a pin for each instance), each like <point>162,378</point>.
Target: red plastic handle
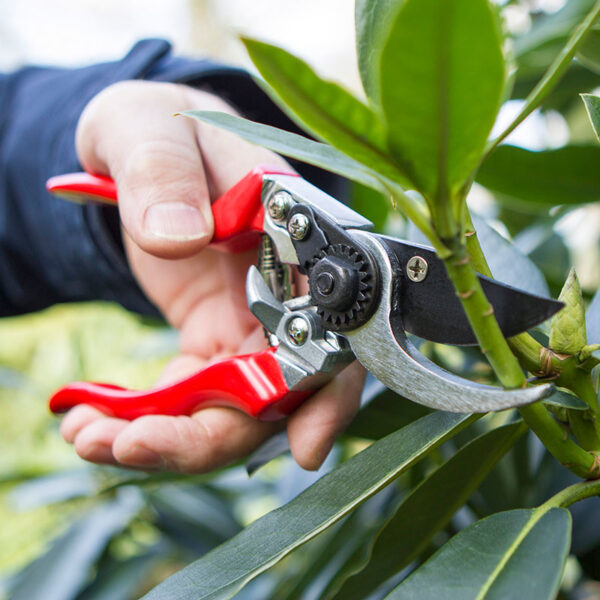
<point>251,383</point>
<point>238,214</point>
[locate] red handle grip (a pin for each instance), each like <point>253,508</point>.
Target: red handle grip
<point>238,214</point>
<point>252,383</point>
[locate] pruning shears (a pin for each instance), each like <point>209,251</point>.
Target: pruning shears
<point>367,292</point>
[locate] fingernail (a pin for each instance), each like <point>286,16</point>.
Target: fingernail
<point>139,456</point>
<point>175,221</point>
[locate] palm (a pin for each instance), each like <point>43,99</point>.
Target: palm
<point>204,297</point>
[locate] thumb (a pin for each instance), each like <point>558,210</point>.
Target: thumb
<point>128,132</point>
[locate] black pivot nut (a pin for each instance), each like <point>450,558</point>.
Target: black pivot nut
<point>334,284</point>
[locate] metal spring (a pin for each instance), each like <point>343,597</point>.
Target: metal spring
<point>276,275</point>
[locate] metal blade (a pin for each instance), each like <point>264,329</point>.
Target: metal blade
<point>389,356</point>
<point>431,310</point>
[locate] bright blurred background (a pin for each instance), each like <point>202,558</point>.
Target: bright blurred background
<point>70,32</point>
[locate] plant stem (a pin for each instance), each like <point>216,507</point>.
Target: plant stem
<point>417,214</point>
<point>523,345</point>
<point>573,493</point>
<point>480,314</point>
<point>567,452</point>
<point>558,443</point>
<point>552,76</point>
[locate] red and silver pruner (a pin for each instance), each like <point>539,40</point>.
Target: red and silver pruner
<point>366,292</point>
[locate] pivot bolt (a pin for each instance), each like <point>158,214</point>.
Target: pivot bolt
<point>325,283</point>
<point>298,226</point>
<point>416,269</point>
<point>297,331</point>
<point>279,206</point>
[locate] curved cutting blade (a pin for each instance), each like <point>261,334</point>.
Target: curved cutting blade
<point>383,349</point>
<point>431,310</point>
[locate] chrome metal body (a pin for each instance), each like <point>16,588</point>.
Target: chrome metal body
<point>309,356</point>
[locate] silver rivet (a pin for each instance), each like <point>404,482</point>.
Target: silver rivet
<point>279,206</point>
<point>298,226</point>
<point>416,268</point>
<point>297,330</point>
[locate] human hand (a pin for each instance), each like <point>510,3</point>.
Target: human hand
<point>167,171</point>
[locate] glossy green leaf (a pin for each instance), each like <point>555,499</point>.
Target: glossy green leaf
<point>563,399</point>
<point>589,51</point>
<point>568,175</point>
<point>592,106</point>
<point>426,510</point>
<point>514,554</point>
<point>442,81</point>
<point>325,109</point>
<point>291,145</point>
<point>225,570</point>
<point>372,17</point>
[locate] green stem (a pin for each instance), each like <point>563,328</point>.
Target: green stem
<point>551,77</point>
<point>536,416</point>
<point>573,493</point>
<point>480,314</point>
<point>523,345</point>
<point>558,443</point>
<point>417,213</point>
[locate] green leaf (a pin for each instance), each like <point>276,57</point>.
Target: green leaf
<point>577,79</point>
<point>551,30</point>
<point>568,334</point>
<point>563,399</point>
<point>507,263</point>
<point>385,413</point>
<point>371,204</point>
<point>325,109</point>
<point>64,569</point>
<point>372,17</point>
<point>592,106</point>
<point>552,75</point>
<point>342,541</point>
<point>589,51</point>
<point>442,80</point>
<point>513,554</point>
<point>121,580</point>
<point>426,510</point>
<point>547,249</point>
<point>225,570</point>
<point>568,175</point>
<point>292,145</point>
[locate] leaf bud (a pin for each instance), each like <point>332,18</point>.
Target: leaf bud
<point>568,335</point>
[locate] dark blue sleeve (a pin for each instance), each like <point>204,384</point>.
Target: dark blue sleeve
<point>54,251</point>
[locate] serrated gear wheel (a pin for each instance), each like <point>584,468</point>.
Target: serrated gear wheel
<point>342,286</point>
